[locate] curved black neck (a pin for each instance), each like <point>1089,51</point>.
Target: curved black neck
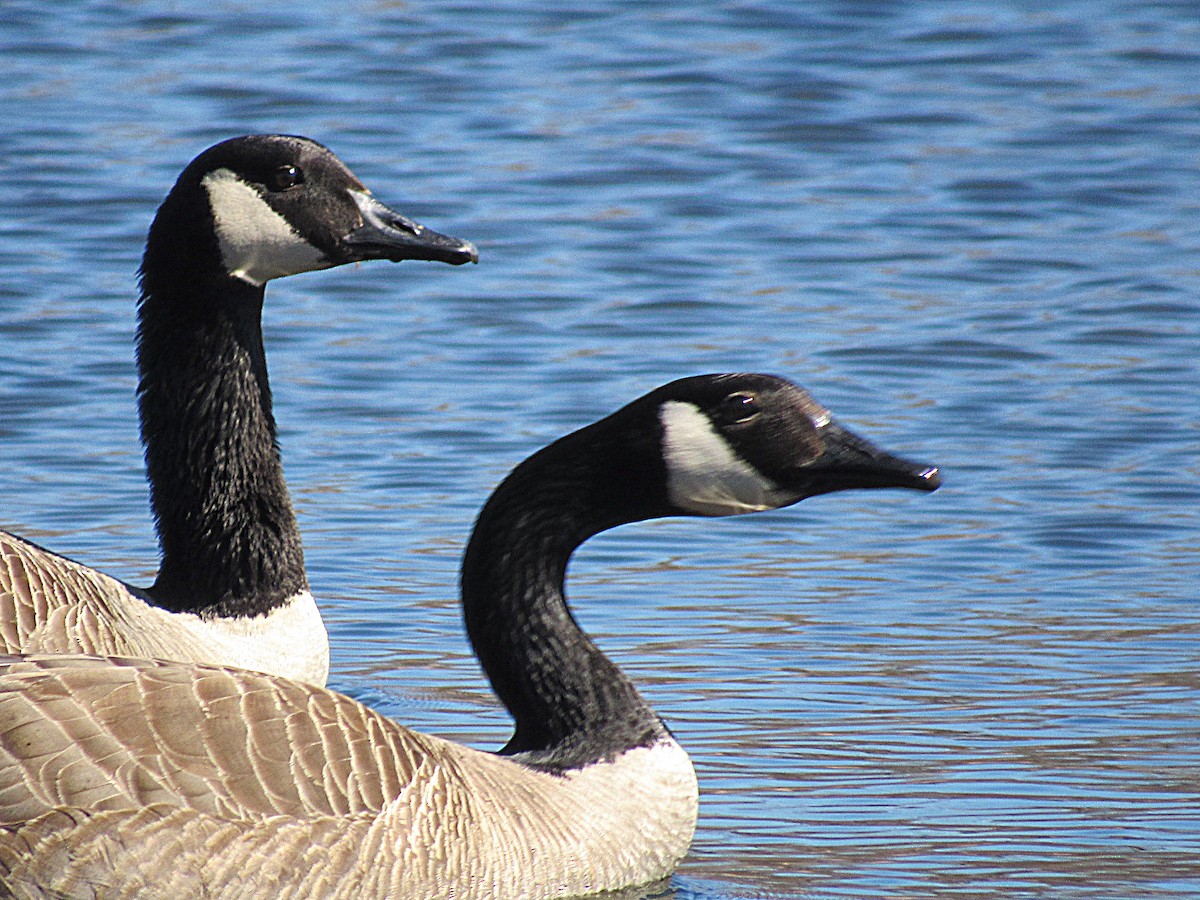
<point>572,705</point>
<point>230,541</point>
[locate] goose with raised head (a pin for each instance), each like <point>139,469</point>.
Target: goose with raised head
<point>119,777</point>
<point>231,588</point>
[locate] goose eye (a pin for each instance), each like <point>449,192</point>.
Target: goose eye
<point>285,177</point>
<point>739,407</point>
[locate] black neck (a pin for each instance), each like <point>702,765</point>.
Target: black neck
<point>572,705</point>
<point>230,541</point>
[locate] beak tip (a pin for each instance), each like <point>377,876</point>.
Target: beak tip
<point>464,252</point>
<point>930,479</point>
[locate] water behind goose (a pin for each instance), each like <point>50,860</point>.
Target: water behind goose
<point>969,228</point>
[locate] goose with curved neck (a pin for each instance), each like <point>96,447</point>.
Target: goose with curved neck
<point>232,586</point>
<point>201,780</point>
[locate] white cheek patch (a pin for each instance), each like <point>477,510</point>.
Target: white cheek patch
<point>257,244</point>
<point>704,475</point>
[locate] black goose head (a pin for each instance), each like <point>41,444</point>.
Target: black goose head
<point>709,445</point>
<point>264,206</point>
<point>734,444</point>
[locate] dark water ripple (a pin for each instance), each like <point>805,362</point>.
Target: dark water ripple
<point>970,229</point>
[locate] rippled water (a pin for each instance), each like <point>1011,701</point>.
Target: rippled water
<point>973,230</point>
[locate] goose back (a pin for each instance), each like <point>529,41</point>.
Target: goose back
<point>51,604</point>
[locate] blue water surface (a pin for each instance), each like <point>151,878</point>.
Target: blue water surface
<point>971,229</point>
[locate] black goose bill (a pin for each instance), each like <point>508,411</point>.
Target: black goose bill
<point>386,234</point>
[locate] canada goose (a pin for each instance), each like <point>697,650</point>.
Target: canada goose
<point>232,587</point>
<point>130,776</point>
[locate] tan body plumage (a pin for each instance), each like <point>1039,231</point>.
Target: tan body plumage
<point>296,791</point>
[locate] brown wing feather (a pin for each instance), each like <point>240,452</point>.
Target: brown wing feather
<point>50,604</point>
<point>168,852</point>
<point>235,745</point>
